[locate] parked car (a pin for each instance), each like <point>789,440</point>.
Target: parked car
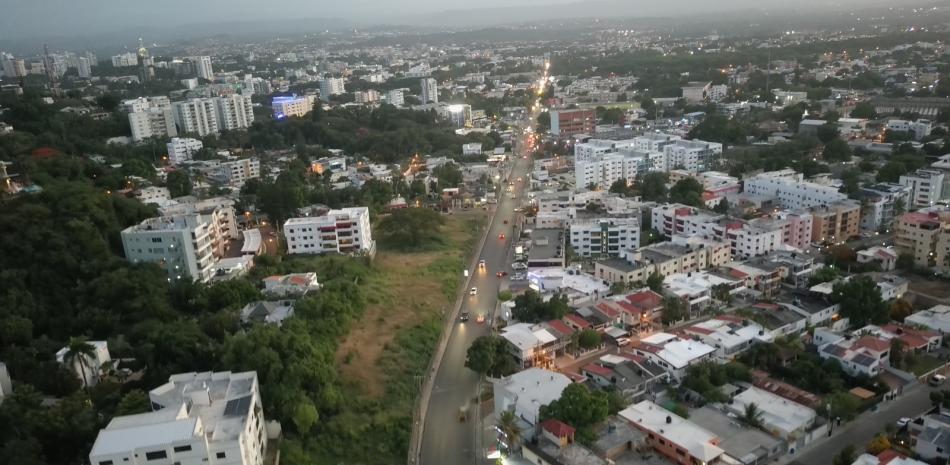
<point>903,422</point>
<point>464,316</point>
<point>519,266</point>
<point>937,380</point>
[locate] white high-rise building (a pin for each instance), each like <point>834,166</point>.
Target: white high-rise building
<point>430,90</point>
<point>152,122</point>
<point>197,116</point>
<point>234,111</point>
<point>125,60</point>
<point>84,67</point>
<point>343,231</point>
<point>605,237</point>
<point>691,155</point>
<point>197,419</point>
<point>926,187</point>
<point>331,86</point>
<point>291,106</point>
<point>181,149</point>
<point>395,98</point>
<point>203,68</point>
<point>791,190</point>
<point>144,103</point>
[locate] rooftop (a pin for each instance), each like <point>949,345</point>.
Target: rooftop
<point>745,444</point>
<point>777,412</point>
<point>700,442</point>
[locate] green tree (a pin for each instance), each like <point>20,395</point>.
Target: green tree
<point>489,355</point>
<point>827,132</point>
<point>891,171</point>
<point>508,424</point>
<point>178,183</point>
<point>836,150</point>
<point>589,339</point>
<point>655,282</point>
<point>860,301</point>
<point>864,110</point>
<point>544,121</point>
<point>823,275</point>
<point>411,229</point>
<point>619,187</point>
<point>134,401</point>
<point>531,307</point>
<point>752,415</point>
<point>879,444</point>
<point>580,408</point>
<point>673,310</point>
<point>305,416</point>
<point>897,353</point>
<point>108,102</point>
<point>847,456</point>
<point>81,353</point>
<point>722,207</point>
<point>687,191</point>
<point>652,186</point>
<point>900,309</point>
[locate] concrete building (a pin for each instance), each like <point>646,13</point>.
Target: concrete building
<point>917,129</point>
<point>567,123</point>
<point>866,355</point>
<point>342,231</point>
<point>730,335</point>
<point>797,227</point>
<point>154,195</point>
<point>84,67</point>
<point>885,257</point>
<point>924,235</point>
<point>196,116</point>
<point>749,446</point>
<point>936,318</point>
<point>237,172</point>
<point>605,237</point>
<point>599,147</point>
<point>673,353</point>
<point>791,191</point>
<point>680,440</point>
<point>87,368</point>
<point>153,122</point>
<point>836,222</point>
<point>691,155</point>
<point>530,344</point>
<point>926,187</point>
<point>682,255</point>
<point>184,245</point>
<point>203,68</point>
<point>332,86</point>
<point>429,90</point>
<point>395,98</point>
<point>197,419</point>
<point>780,417</point>
<point>883,202</point>
<point>234,112</point>
<point>525,392</point>
<point>697,92</point>
<point>746,238</point>
<point>287,106</point>
<point>180,149</point>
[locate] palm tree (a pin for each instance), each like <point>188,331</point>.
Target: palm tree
<point>80,352</point>
<point>752,416</point>
<point>508,424</point>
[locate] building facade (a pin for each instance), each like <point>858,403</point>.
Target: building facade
<point>342,231</point>
<point>605,237</point>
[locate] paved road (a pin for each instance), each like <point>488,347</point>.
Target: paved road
<point>445,439</point>
<point>914,401</point>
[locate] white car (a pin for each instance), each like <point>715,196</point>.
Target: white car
<point>473,291</point>
<point>518,266</point>
<point>903,422</point>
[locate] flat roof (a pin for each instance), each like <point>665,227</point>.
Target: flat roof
<point>147,430</point>
<point>692,437</point>
<point>545,244</point>
<point>745,444</point>
<point>777,412</point>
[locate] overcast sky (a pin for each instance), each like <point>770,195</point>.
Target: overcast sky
<point>21,19</point>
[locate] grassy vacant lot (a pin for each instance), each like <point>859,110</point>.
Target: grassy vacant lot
<point>923,363</point>
<point>382,358</point>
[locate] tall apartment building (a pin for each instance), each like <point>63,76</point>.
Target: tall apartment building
<point>883,203</point>
<point>145,103</point>
<point>595,148</point>
<point>837,222</point>
<point>237,172</point>
<point>791,191</point>
<point>602,171</point>
<point>196,116</point>
<point>84,67</point>
<point>926,236</point>
<point>185,246</point>
<point>343,231</point>
<point>430,90</point>
<point>196,419</point>
<point>125,60</point>
<point>366,96</point>
<point>153,122</point>
<point>746,238</point>
<point>605,236</point>
<point>292,105</point>
<point>654,142</point>
<point>567,123</point>
<point>926,187</point>
<point>234,111</point>
<point>395,97</point>
<point>331,86</point>
<point>203,68</point>
<point>691,155</point>
<point>181,149</point>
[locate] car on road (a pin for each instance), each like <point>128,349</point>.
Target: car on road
<point>464,316</point>
<point>481,264</point>
<point>937,380</point>
<point>501,274</point>
<point>473,291</point>
<point>480,318</point>
<point>903,422</point>
<point>501,236</point>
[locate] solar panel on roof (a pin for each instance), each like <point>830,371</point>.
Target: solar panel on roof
<point>237,407</point>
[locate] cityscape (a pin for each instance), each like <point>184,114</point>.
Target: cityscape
<point>443,233</point>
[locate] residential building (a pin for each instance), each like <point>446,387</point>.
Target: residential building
<point>682,255</point>
<point>197,116</point>
<point>530,345</point>
<point>778,320</point>
<point>673,353</point>
<point>430,90</point>
<point>730,335</point>
<point>932,442</point>
<point>680,440</point>
<point>926,187</point>
<point>779,416</point>
<point>367,96</point>
<point>936,318</point>
<point>887,457</point>
<point>791,191</point>
<point>181,149</point>
<point>203,68</point>
<point>343,231</point>
<point>605,236</point>
<point>395,98</point>
<point>885,257</point>
<point>269,312</point>
<point>916,129</point>
<point>197,418</point>
<point>883,203</point>
<point>923,234</point>
<point>237,172</point>
<point>746,238</point>
<point>797,227</point>
<point>594,148</point>
<point>912,339</point>
<point>697,92</point>
<point>634,376</point>
<point>749,446</point>
<point>866,355</point>
<point>234,111</point>
<point>287,106</point>
<point>547,248</point>
<point>84,67</point>
<point>654,142</point>
<point>86,367</point>
<point>568,123</point>
<point>836,222</point>
<point>331,86</point>
<point>695,290</point>
<point>156,122</point>
<point>154,195</point>
<point>291,285</point>
<point>526,391</point>
<point>691,155</point>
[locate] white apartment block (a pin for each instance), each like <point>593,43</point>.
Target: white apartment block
<point>196,116</point>
<point>596,148</point>
<point>203,68</point>
<point>145,103</point>
<point>746,238</point>
<point>654,142</point>
<point>691,155</point>
<point>917,129</point>
<point>681,255</point>
<point>395,97</point>
<point>605,237</point>
<point>602,171</point>
<point>181,149</point>
<point>291,106</point>
<point>237,172</point>
<point>153,194</point>
<point>881,204</point>
<point>926,187</point>
<point>343,231</point>
<point>153,122</point>
<point>791,191</point>
<point>331,86</point>
<point>197,419</point>
<point>185,246</point>
<point>430,90</point>
<point>234,112</point>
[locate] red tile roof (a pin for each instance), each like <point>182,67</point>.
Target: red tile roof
<point>919,218</point>
<point>557,427</point>
<point>872,343</point>
<point>609,310</point>
<point>887,456</point>
<point>645,300</point>
<point>577,320</point>
<point>598,370</point>
<point>699,330</point>
<point>561,327</point>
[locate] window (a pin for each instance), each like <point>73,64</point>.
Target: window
<point>182,448</point>
<point>156,239</point>
<point>156,455</point>
<point>105,462</point>
<point>220,455</point>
